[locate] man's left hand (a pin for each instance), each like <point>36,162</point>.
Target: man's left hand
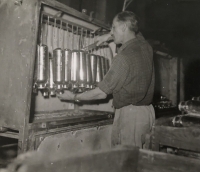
<point>67,95</point>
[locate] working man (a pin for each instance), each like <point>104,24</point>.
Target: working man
<point>130,80</point>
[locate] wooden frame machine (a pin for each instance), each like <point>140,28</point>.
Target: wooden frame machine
<point>35,118</point>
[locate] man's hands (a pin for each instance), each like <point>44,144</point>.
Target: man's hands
<point>94,94</point>
<point>67,95</point>
<point>102,39</point>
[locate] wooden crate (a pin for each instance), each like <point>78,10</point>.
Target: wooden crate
<point>184,138</point>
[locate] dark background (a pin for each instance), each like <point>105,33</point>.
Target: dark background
<point>175,23</point>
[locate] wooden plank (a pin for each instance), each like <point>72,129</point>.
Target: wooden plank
<point>115,160</point>
<point>127,159</point>
<point>187,138</point>
<point>74,12</point>
<point>18,37</point>
<point>161,162</point>
<point>10,135</point>
<point>188,154</point>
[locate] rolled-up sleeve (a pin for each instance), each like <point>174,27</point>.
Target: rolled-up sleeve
<point>114,79</point>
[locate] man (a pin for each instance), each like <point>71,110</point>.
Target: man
<point>130,80</point>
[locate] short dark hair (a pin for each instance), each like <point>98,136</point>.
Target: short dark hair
<point>130,18</point>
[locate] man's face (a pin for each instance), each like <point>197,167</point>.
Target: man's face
<point>117,31</point>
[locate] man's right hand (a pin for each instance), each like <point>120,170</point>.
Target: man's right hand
<point>102,39</point>
<point>67,95</point>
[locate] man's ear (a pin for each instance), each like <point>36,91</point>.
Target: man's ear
<point>124,27</point>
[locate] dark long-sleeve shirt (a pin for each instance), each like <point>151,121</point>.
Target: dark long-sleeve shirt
<point>131,76</point>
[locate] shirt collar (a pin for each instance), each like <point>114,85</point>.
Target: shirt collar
<point>126,44</point>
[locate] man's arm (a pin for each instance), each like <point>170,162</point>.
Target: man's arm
<point>108,37</point>
<point>95,94</point>
<point>104,38</point>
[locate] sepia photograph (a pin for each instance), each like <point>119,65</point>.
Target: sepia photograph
<point>99,85</point>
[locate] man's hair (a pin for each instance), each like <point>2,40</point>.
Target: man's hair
<point>130,19</point>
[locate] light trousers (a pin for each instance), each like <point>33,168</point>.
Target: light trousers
<point>131,124</point>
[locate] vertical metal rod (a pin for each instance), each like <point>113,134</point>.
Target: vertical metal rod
<point>67,37</point>
<point>41,30</point>
<point>76,105</point>
<point>57,36</point>
<point>64,38</point>
<point>78,46</point>
<point>60,30</point>
<point>86,39</point>
<point>52,29</point>
<point>47,32</point>
<point>93,39</point>
<point>90,40</point>
<point>54,34</point>
<point>81,39</point>
<point>72,37</point>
